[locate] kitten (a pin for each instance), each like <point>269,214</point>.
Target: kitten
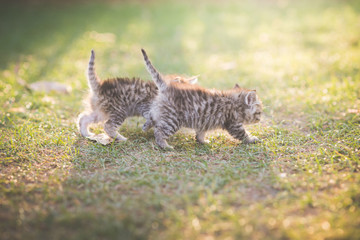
<point>201,109</point>
<point>113,100</point>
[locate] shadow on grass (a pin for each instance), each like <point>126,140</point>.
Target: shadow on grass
<point>127,189</point>
<point>49,32</point>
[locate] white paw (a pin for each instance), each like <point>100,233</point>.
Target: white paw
<point>121,138</point>
<point>169,148</point>
<point>203,141</point>
<point>145,128</point>
<point>91,136</point>
<point>166,147</point>
<point>251,139</point>
<point>101,138</point>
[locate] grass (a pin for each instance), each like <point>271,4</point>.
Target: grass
<point>302,181</point>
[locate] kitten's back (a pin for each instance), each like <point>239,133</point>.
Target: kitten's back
<point>179,106</point>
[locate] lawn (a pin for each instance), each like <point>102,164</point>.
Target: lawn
<point>301,182</point>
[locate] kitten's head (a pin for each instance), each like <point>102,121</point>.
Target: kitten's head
<point>172,78</point>
<point>190,80</point>
<point>251,104</point>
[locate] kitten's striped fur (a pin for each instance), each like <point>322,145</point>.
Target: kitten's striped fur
<point>201,109</point>
<point>113,100</point>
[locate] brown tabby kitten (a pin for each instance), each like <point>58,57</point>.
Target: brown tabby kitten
<point>201,109</point>
<point>113,100</point>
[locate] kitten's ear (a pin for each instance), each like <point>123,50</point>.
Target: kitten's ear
<point>236,86</point>
<point>177,79</point>
<point>193,79</point>
<point>250,98</point>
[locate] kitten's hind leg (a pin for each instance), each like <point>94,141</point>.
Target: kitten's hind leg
<point>147,125</point>
<point>160,139</point>
<point>164,128</point>
<point>111,127</point>
<point>200,137</point>
<point>84,120</point>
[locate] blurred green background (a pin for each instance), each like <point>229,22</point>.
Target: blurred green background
<point>302,181</point>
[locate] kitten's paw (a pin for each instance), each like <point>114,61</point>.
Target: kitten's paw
<point>166,146</point>
<point>103,139</point>
<point>251,139</point>
<point>169,148</point>
<point>145,127</point>
<point>120,138</point>
<point>91,136</point>
<point>200,138</point>
<point>203,141</point>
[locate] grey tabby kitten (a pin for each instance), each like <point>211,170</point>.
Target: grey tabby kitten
<point>113,100</point>
<point>201,109</point>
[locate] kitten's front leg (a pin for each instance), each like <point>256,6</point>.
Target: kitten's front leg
<point>238,132</point>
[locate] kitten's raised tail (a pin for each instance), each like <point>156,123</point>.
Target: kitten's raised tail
<point>155,75</point>
<point>92,77</point>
